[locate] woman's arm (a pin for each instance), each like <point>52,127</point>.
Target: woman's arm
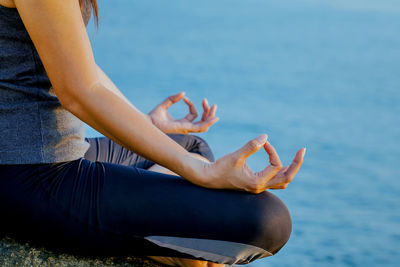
<point>59,35</point>
<point>106,81</point>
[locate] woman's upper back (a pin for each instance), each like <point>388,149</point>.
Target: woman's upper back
<point>35,127</point>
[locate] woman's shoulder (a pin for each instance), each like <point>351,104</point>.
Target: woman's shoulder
<point>85,8</point>
<point>7,3</point>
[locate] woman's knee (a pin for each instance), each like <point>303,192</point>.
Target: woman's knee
<point>194,144</point>
<point>272,223</point>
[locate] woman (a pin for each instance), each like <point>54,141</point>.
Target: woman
<point>102,198</point>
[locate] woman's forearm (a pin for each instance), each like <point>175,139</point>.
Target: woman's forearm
<point>111,114</point>
<point>109,84</point>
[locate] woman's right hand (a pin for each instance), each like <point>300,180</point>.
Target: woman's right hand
<point>232,171</point>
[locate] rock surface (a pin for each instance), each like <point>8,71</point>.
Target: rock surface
<point>13,254</point>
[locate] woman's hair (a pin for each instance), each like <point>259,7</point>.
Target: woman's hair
<point>93,6</point>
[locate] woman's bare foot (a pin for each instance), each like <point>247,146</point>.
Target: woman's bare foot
<point>181,262</point>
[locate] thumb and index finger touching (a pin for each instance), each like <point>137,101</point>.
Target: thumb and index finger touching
<point>287,173</point>
<point>192,110</point>
<point>208,117</point>
<point>252,147</point>
<point>169,101</point>
<point>255,145</point>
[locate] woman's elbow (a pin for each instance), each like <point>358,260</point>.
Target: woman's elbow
<point>69,98</point>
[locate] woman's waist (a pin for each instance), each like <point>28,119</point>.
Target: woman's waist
<point>33,153</point>
<point>32,135</point>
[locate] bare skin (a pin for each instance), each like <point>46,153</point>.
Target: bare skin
<point>7,3</point>
<point>161,169</point>
<point>185,262</point>
<point>82,89</point>
<point>86,91</point>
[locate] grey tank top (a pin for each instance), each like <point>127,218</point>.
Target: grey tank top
<point>34,127</point>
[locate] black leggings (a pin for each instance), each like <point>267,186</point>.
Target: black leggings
<point>107,204</point>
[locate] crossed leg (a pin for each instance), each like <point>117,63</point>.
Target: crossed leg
<point>211,225</point>
<point>173,261</point>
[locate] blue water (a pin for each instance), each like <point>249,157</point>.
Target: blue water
<point>319,74</point>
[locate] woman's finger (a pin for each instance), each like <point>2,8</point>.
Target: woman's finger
<point>251,147</point>
<point>210,114</point>
<point>211,121</point>
<point>206,109</point>
<point>296,164</point>
<point>282,186</point>
<point>192,110</point>
<point>213,110</point>
<point>274,161</point>
<point>169,101</point>
<point>286,175</point>
<point>203,126</point>
<point>279,179</point>
<point>283,170</point>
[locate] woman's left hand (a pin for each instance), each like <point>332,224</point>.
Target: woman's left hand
<point>166,123</point>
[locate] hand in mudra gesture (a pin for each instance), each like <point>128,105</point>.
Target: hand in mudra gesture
<point>232,171</point>
<point>166,123</point>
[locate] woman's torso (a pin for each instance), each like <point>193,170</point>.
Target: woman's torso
<point>34,127</point>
